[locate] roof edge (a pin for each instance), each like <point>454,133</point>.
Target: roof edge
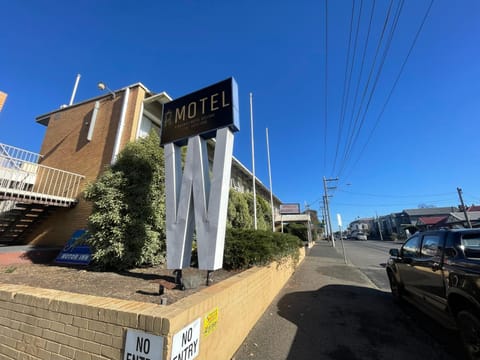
<point>43,119</point>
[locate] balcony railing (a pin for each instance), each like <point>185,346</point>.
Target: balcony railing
<point>23,179</point>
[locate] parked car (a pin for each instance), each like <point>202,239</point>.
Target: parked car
<point>439,271</point>
<point>357,235</point>
<point>361,236</point>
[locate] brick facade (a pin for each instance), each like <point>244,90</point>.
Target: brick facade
<point>65,146</point>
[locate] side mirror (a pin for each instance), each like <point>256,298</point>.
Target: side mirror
<point>394,252</point>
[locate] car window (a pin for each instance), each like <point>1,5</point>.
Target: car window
<point>431,246</point>
<point>412,247</point>
<point>470,244</point>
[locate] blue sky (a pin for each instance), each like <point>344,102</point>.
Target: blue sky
<point>422,146</point>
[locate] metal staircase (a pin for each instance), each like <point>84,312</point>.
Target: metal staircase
<point>30,191</point>
<point>19,221</point>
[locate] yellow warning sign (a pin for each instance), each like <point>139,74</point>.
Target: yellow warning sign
<point>210,322</point>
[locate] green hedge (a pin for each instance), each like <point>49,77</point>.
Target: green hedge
<point>299,230</point>
<point>247,248</point>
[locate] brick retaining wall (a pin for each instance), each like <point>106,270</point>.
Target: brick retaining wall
<point>55,325</point>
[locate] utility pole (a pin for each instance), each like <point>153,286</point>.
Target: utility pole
<point>327,207</point>
<point>459,190</point>
<point>379,227</point>
<point>324,218</point>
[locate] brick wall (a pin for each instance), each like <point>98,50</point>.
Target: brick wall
<point>65,146</point>
<point>49,324</point>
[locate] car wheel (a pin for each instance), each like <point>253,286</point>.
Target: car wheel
<point>469,328</point>
<point>395,287</point>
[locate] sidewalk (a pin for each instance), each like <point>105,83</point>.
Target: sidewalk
<point>21,254</point>
<point>294,310</point>
<point>330,310</point>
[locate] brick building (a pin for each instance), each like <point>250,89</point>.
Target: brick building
<point>81,139</point>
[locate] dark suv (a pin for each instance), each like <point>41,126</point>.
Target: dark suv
<point>440,271</point>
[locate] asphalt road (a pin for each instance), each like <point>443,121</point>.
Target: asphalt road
<point>370,257</point>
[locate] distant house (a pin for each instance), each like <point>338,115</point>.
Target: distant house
<point>431,222</point>
<point>408,218</point>
<point>457,219</point>
<point>364,225</point>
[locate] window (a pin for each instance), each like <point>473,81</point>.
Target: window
<point>431,245</point>
<point>146,125</point>
<point>412,247</point>
<point>470,244</point>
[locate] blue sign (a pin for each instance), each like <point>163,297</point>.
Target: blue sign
<point>201,113</point>
<point>76,251</point>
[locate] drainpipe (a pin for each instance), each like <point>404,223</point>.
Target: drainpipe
<point>121,125</point>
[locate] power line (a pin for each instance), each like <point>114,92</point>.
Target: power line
<point>345,84</point>
<point>361,66</point>
<point>326,88</point>
<point>398,196</point>
<point>394,84</point>
<point>377,77</point>
<point>351,135</point>
<point>395,204</point>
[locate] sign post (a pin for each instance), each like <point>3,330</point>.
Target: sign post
<point>339,220</point>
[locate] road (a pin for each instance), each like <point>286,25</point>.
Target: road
<point>370,257</point>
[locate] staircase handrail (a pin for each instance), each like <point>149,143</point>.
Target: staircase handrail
<point>29,179</point>
<point>15,154</point>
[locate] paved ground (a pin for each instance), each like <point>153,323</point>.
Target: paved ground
<point>331,310</point>
<point>24,254</point>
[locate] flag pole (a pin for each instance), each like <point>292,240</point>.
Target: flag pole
<point>253,165</point>
<point>270,178</point>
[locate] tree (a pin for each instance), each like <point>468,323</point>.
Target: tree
<point>238,216</point>
<point>261,223</point>
<point>127,224</point>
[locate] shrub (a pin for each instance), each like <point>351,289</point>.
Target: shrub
<point>247,248</point>
<point>299,230</point>
<point>127,224</point>
<point>238,215</point>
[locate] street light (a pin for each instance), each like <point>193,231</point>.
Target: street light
<point>102,86</point>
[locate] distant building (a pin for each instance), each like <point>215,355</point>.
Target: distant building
<point>425,219</point>
<point>457,219</point>
<point>364,225</point>
<point>431,222</point>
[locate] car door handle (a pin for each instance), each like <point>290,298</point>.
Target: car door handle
<point>435,266</point>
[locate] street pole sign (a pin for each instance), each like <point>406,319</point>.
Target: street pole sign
<point>339,220</point>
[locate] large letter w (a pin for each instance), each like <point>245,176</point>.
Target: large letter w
<point>196,201</point>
